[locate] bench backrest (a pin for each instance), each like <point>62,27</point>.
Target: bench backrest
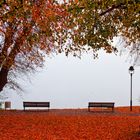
<point>101,104</point>
<point>36,104</point>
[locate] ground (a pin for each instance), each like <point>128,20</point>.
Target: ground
<point>70,124</point>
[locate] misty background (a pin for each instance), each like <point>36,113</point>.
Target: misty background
<point>69,82</point>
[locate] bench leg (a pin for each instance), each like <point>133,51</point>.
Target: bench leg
<point>89,109</point>
<point>113,109</point>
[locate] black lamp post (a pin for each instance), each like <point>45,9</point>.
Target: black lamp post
<point>131,71</point>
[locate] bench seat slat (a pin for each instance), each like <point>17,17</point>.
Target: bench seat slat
<point>101,104</point>
<point>36,104</point>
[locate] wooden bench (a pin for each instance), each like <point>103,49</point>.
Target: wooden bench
<point>36,104</point>
<point>101,105</point>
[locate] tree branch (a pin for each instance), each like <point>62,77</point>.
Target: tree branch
<point>121,5</point>
<point>112,8</point>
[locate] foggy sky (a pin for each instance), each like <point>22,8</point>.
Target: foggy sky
<point>69,82</point>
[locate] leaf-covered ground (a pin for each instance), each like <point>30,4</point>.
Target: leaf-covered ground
<point>70,124</point>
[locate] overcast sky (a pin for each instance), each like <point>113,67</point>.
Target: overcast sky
<point>69,82</point>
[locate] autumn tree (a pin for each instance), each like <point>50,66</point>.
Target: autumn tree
<point>95,23</point>
<point>29,29</point>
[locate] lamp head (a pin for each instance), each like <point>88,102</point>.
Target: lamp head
<point>131,69</point>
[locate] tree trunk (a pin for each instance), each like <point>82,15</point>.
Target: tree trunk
<point>9,61</point>
<point>3,78</point>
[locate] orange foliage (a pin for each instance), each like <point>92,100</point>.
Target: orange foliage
<point>69,125</point>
